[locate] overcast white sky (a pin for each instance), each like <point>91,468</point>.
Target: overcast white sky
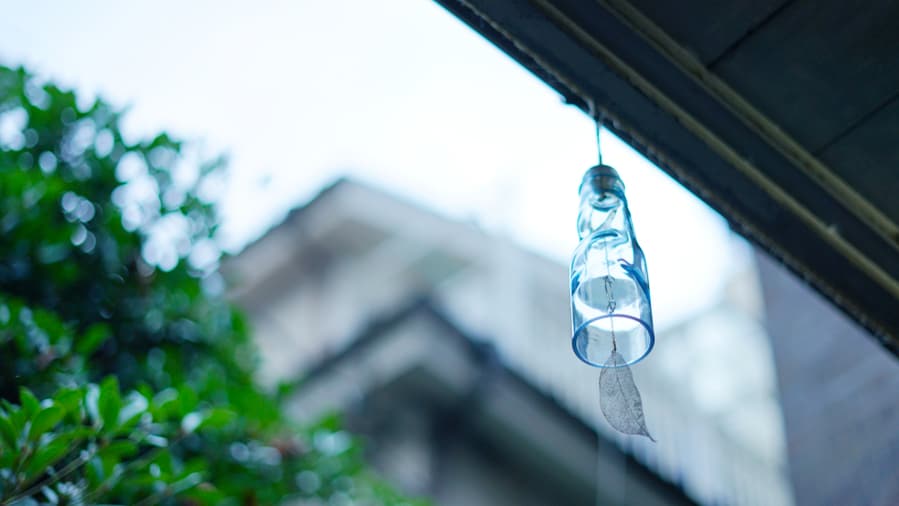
<point>396,93</point>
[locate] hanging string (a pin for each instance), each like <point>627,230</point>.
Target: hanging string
<point>597,114</point>
<point>598,117</point>
<point>610,295</point>
<point>598,120</point>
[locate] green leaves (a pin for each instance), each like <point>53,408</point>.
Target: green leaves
<point>45,420</point>
<point>109,403</point>
<point>46,456</point>
<point>48,441</point>
<point>7,432</point>
<point>70,399</point>
<point>30,404</point>
<point>135,405</point>
<point>146,379</point>
<point>32,441</point>
<point>92,338</point>
<point>216,418</point>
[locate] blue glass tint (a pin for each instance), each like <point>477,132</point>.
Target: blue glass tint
<point>610,305</point>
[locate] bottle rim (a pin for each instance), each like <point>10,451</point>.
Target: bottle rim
<point>602,178</point>
<point>646,325</point>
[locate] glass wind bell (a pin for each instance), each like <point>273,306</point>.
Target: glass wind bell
<point>610,307</point>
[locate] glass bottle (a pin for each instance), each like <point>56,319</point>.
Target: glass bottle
<point>610,305</point>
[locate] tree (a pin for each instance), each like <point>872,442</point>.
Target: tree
<point>125,375</point>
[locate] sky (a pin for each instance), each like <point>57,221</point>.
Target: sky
<point>398,94</point>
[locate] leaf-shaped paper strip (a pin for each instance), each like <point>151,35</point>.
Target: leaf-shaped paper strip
<point>619,398</point>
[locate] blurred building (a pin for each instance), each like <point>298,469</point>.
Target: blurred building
<point>840,392</point>
<point>449,348</point>
<point>447,419</point>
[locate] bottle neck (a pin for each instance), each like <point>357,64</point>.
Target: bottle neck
<point>604,212</point>
<point>603,205</point>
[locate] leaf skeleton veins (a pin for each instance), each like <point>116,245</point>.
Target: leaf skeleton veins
<point>619,398</point>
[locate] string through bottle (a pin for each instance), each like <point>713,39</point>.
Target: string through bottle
<point>597,118</point>
<point>610,295</point>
